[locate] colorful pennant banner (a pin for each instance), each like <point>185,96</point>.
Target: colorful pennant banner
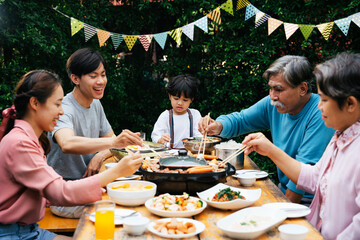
<point>202,23</point>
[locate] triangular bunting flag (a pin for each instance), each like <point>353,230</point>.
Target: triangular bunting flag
<point>356,18</point>
<point>273,24</point>
<point>202,23</point>
<point>241,4</point>
<point>176,34</point>
<point>290,28</point>
<point>130,40</point>
<point>145,41</point>
<point>76,26</point>
<point>325,29</point>
<point>215,16</point>
<point>250,11</point>
<point>116,39</point>
<point>188,30</point>
<point>228,7</point>
<point>90,31</point>
<point>102,36</point>
<point>306,30</point>
<point>344,24</point>
<point>160,38</point>
<point>261,20</point>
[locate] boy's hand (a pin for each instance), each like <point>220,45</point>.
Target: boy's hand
<point>164,138</point>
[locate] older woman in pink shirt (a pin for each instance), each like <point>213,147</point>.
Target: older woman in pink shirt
<point>335,179</point>
<point>26,181</point>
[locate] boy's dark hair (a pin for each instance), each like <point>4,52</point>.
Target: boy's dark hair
<point>84,61</point>
<point>183,83</point>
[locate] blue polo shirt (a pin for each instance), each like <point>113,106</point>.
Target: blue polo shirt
<point>303,136</point>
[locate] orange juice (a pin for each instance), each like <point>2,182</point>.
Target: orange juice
<point>104,224</point>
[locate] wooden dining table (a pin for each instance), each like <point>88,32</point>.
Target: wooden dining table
<point>209,217</point>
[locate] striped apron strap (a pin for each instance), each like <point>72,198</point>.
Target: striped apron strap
<point>191,122</point>
<point>171,124</point>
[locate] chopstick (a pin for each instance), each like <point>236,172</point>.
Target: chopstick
<point>149,148</point>
<point>203,140</point>
<point>235,154</point>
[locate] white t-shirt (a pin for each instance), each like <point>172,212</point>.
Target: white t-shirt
<point>181,127</point>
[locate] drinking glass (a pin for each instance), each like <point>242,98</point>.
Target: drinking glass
<point>104,220</point>
<point>143,136</point>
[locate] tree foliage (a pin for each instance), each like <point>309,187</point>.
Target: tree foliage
<point>229,60</point>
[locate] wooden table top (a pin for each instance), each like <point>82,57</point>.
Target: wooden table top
<point>270,193</point>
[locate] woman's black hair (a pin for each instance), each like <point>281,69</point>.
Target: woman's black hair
<point>84,61</point>
<point>339,77</point>
<point>184,83</point>
<point>39,84</point>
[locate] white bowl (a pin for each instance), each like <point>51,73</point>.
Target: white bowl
<point>136,225</point>
<point>231,224</point>
<point>131,198</point>
<point>250,195</point>
<point>110,165</point>
<point>169,214</point>
<point>293,232</point>
<point>247,179</point>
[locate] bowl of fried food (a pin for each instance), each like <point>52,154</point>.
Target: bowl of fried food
<point>131,193</point>
<point>176,227</point>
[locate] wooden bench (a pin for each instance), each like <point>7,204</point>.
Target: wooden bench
<point>57,224</point>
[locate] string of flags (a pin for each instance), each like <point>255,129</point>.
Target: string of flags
<point>290,28</point>
<point>202,23</point>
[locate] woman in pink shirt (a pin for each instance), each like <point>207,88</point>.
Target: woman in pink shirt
<point>26,181</point>
<point>335,179</point>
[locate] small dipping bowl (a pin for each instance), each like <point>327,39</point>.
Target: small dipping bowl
<point>135,225</point>
<point>293,232</point>
<point>247,179</point>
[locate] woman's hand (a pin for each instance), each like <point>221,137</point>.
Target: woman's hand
<point>129,164</point>
<point>209,125</point>
<point>164,138</point>
<point>259,143</point>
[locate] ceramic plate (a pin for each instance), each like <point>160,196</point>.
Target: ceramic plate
<point>164,213</point>
<point>131,177</point>
<point>118,215</point>
<point>251,196</point>
<point>198,225</point>
<point>264,218</point>
<point>293,210</point>
<point>259,174</point>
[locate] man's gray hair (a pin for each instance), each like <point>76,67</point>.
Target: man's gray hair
<point>294,69</point>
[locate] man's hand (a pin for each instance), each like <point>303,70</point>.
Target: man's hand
<point>94,165</point>
<point>127,138</point>
<point>164,138</point>
<point>209,125</point>
<point>293,196</point>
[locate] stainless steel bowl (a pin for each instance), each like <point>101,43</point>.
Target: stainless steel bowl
<point>192,144</point>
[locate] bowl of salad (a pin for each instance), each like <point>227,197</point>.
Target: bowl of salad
<point>166,205</point>
<point>229,198</point>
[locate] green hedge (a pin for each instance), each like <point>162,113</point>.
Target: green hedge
<point>229,60</point>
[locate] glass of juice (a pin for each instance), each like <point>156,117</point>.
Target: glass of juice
<point>104,219</point>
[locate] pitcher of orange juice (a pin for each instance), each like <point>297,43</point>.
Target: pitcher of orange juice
<point>104,220</point>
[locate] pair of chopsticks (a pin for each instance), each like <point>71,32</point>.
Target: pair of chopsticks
<point>149,148</point>
<point>235,154</point>
<point>203,140</point>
